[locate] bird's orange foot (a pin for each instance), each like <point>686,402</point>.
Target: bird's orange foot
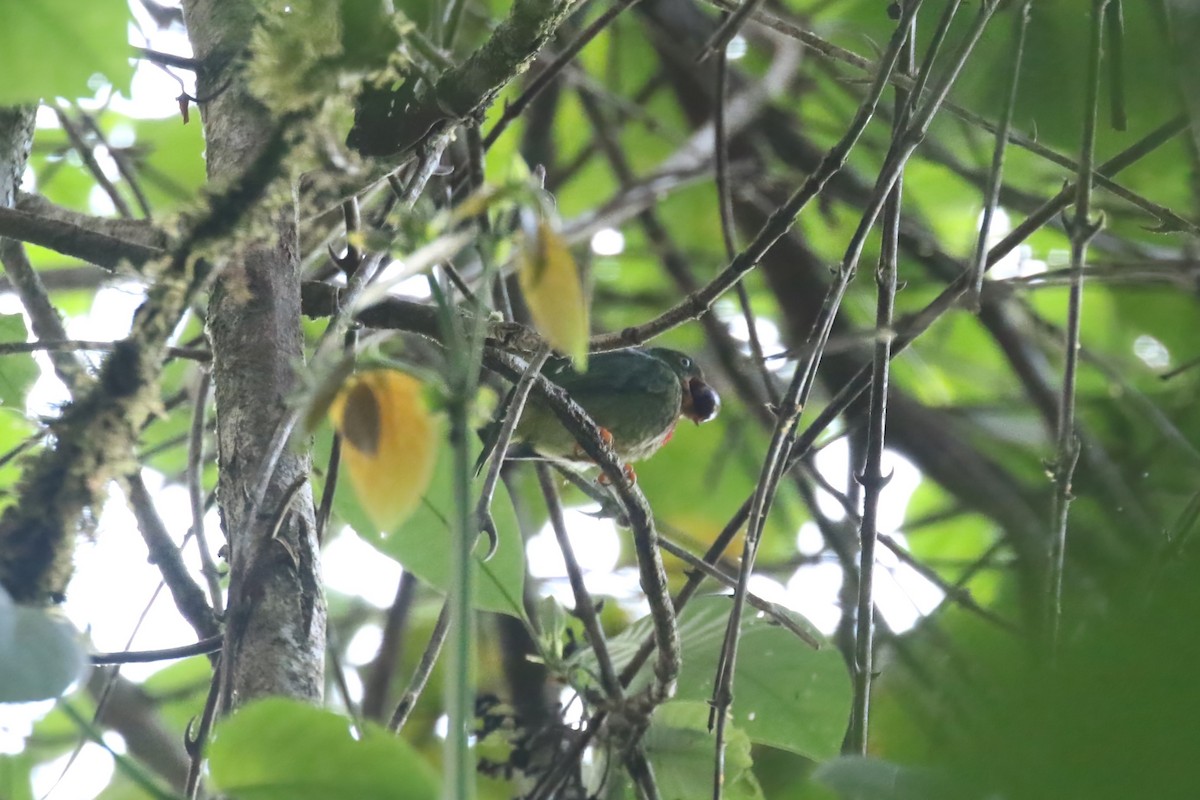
<point>605,436</point>
<point>630,475</point>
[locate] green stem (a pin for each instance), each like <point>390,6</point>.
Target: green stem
<point>460,768</point>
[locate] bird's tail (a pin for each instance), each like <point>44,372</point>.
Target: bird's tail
<point>488,434</point>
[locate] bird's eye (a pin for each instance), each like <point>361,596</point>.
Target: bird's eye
<point>685,362</point>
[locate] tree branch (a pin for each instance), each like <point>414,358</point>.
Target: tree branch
<point>391,122</point>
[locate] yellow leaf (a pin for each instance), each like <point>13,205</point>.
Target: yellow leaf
<point>388,442</point>
<point>553,291</point>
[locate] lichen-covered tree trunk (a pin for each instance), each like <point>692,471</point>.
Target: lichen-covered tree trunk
<point>275,632</point>
<point>16,136</point>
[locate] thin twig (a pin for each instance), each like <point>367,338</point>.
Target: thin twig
<point>67,345</point>
<point>195,476</point>
<point>995,179</point>
<point>383,667</point>
<point>548,73</point>
<point>121,158</point>
<point>339,680</point>
<point>1116,65</point>
<point>728,28</point>
<point>1167,218</point>
<point>790,407</point>
<point>872,478</point>
<point>88,155</point>
<point>715,573</point>
<point>585,608</point>
<point>194,742</point>
<point>128,766</point>
<point>424,669</point>
<point>166,59</point>
<point>512,416</point>
<point>203,647</point>
<point>953,591</point>
<point>44,319</point>
<point>725,209</point>
<point>1081,230</point>
<point>164,553</point>
<point>778,224</point>
<point>449,19</point>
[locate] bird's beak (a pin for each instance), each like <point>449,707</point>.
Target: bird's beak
<point>700,401</point>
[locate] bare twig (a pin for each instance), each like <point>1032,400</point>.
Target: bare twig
<point>585,607</point>
<point>995,179</point>
<point>122,160</point>
<point>381,670</point>
<point>43,316</point>
<point>789,409</point>
<point>194,741</point>
<point>88,155</point>
<point>195,474</point>
<point>778,224</point>
<point>189,597</point>
<point>728,28</point>
<point>717,574</point>
<point>1081,229</point>
<point>872,478</point>
<point>1168,219</point>
<point>70,237</point>
<point>424,669</point>
<point>725,209</point>
<point>551,71</point>
<point>66,345</point>
<point>203,647</point>
<point>512,416</point>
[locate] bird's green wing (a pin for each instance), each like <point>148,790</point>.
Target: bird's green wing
<point>618,373</point>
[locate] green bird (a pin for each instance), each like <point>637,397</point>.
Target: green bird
<point>636,396</point>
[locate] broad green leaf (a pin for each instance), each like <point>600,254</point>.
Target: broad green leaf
<point>279,749</point>
<point>701,474</point>
<point>680,749</point>
<point>15,774</point>
<point>121,787</point>
<point>15,431</point>
<point>422,543</point>
<point>861,778</point>
<point>786,694</point>
<point>40,655</point>
<point>18,371</point>
<point>50,48</point>
<point>182,688</point>
<point>172,167</point>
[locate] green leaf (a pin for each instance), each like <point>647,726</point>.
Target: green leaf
<point>50,48</point>
<point>18,371</point>
<point>787,695</point>
<point>860,778</point>
<point>15,773</point>
<point>279,749</point>
<point>181,689</point>
<point>172,167</point>
<point>422,542</point>
<point>680,750</point>
<point>696,501</point>
<point>40,655</point>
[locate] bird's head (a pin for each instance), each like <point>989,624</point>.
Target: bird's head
<point>700,401</point>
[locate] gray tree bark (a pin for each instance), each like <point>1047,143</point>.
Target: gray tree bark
<point>16,137</point>
<point>275,632</point>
